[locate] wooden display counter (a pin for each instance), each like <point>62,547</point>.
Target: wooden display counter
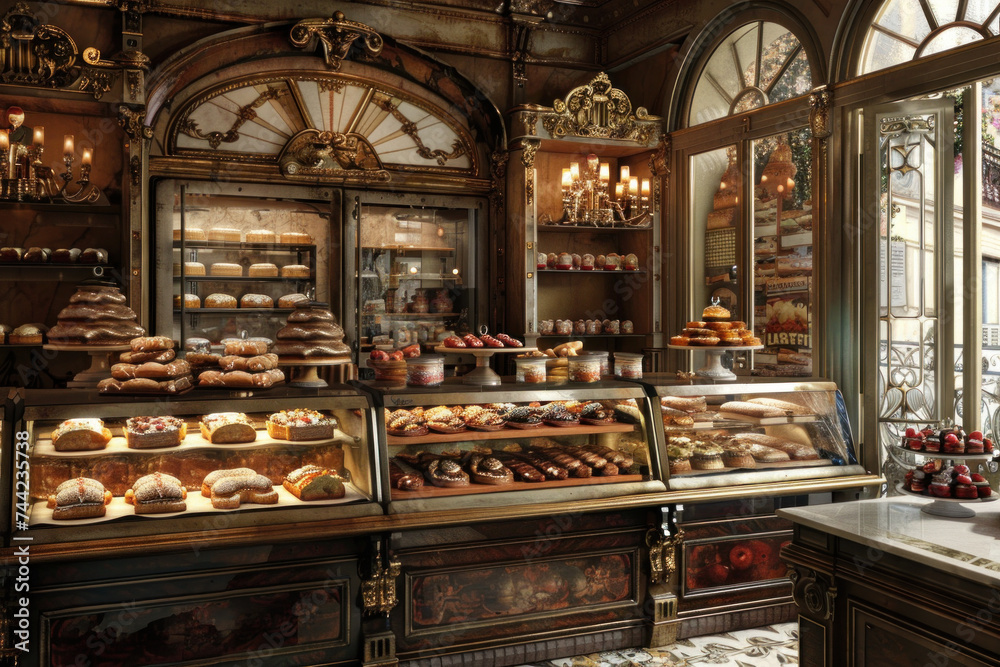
<point>878,582</point>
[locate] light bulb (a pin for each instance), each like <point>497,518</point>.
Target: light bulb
<point>440,232</point>
<point>455,271</point>
<point>413,269</point>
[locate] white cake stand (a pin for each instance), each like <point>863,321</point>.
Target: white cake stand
<point>955,508</point>
<point>713,368</point>
<point>100,362</point>
<point>482,374</point>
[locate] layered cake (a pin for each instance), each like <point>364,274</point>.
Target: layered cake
<point>152,432</point>
<point>312,333</point>
<point>96,315</point>
<point>74,435</point>
<point>300,424</point>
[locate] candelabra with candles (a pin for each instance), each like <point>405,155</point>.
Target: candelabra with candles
<point>21,167</point>
<point>587,198</point>
<point>87,191</point>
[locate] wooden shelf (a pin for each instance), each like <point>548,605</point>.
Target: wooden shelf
<point>56,207</point>
<point>508,434</point>
<point>428,490</point>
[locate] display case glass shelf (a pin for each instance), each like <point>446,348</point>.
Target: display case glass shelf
<point>121,458</point>
<point>456,446</point>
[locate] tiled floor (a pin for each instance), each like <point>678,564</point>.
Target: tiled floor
<point>771,646</point>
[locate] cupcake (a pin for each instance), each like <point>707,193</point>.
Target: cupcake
<point>679,457</point>
<point>706,457</point>
<point>738,456</point>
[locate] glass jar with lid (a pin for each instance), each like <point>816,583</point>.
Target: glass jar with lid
<point>602,356</point>
<point>530,370</point>
<point>628,365</point>
<point>425,371</point>
<point>584,369</point>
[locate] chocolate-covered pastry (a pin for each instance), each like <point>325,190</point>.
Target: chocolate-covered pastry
<point>96,315</point>
<point>489,470</point>
<point>446,472</point>
<point>311,333</point>
<point>36,255</point>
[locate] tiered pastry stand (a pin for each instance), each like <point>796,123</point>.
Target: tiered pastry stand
<point>482,374</point>
<point>305,372</point>
<point>100,362</point>
<point>947,507</point>
<point>713,368</point>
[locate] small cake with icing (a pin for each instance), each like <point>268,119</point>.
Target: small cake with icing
<point>75,435</point>
<point>27,334</point>
<point>300,424</point>
<point>154,432</point>
<point>227,428</point>
<point>312,482</point>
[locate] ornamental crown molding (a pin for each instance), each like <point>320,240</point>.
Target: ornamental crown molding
<point>35,54</point>
<point>336,35</point>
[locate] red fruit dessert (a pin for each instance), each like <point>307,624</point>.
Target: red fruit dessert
<point>941,490</point>
<point>932,444</point>
<point>911,432</point>
<point>976,435</point>
<point>966,491</point>
<point>977,478</point>
<point>988,445</point>
<point>932,467</point>
<point>717,574</point>
<point>963,479</point>
<point>916,444</point>
<point>918,485</point>
<point>984,490</point>
<point>740,557</point>
<point>953,444</point>
<point>973,446</point>
<point>962,469</point>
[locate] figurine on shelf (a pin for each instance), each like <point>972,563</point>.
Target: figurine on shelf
<point>19,133</point>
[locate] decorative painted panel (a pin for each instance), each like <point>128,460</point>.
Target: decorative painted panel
<point>348,125</point>
<point>719,563</point>
<point>488,594</point>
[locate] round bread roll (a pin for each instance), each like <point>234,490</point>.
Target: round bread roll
<point>256,301</point>
<point>260,236</point>
<point>295,271</point>
<point>220,301</point>
<point>263,270</point>
<point>226,269</point>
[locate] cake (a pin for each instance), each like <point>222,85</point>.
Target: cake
<point>298,238</point>
<point>157,493</point>
<point>79,498</point>
<point>312,482</point>
<point>227,428</point>
<point>75,435</point>
<point>149,432</point>
<point>220,301</point>
<point>289,300</point>
<point>260,236</point>
<point>300,424</point>
<point>96,315</point>
<point>706,457</point>
<point>256,301</point>
<point>194,269</point>
<point>263,270</point>
<point>225,234</point>
<point>679,456</point>
<point>226,269</point>
<point>295,271</point>
<point>311,333</point>
<point>27,334</point>
<point>715,313</point>
<point>738,456</point>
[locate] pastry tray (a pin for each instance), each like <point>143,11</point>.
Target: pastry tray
<point>509,434</point>
<point>193,441</point>
<point>428,490</point>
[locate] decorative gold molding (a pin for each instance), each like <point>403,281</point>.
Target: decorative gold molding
<point>130,119</point>
<point>35,54</point>
<point>498,173</point>
<point>659,161</point>
<point>662,554</point>
<point>384,102</point>
<point>820,103</point>
<point>530,122</point>
<point>378,592</point>
<point>135,170</point>
<point>812,592</point>
<point>245,113</point>
<point>314,153</point>
<point>98,75</point>
<point>601,111</point>
<point>529,147</point>
<point>336,35</point>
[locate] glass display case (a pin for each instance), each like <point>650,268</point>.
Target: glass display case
<point>415,267</point>
<point>101,468</point>
<point>454,446</point>
<point>239,262</point>
<point>765,432</point>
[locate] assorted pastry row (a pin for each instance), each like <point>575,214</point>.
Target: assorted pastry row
<point>249,300</point>
<point>233,270</point>
<point>584,327</point>
<point>151,366</point>
<point>716,328</point>
<point>716,451</point>
<point>36,255</point>
<point>154,432</point>
<point>231,235</point>
<point>495,416</point>
<point>566,261</point>
<point>485,340</point>
<point>409,472</point>
<point>952,440</point>
<point>681,410</point>
<point>26,334</point>
<point>158,493</point>
<point>936,479</point>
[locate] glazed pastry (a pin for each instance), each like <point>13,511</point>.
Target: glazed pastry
<point>489,470</point>
<point>447,473</point>
<point>523,417</point>
<point>311,333</point>
<point>245,347</point>
<point>66,256</point>
<point>312,482</point>
<point>480,418</point>
<point>403,422</point>
<point>706,457</point>
<point>595,413</point>
<point>620,459</point>
<point>679,457</point>
<point>36,255</point>
<point>443,420</point>
<point>557,465</point>
<point>11,254</point>
<point>152,369</point>
<point>79,498</point>
<point>157,493</point>
<point>256,363</point>
<point>738,456</point>
<point>74,435</point>
<point>715,313</point>
<point>144,386</point>
<point>403,477</point>
<point>556,414</point>
<point>149,432</point>
<point>524,471</point>
<point>96,315</point>
<point>227,428</point>
<point>300,424</point>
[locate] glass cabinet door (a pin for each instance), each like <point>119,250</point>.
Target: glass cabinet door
<point>416,270</point>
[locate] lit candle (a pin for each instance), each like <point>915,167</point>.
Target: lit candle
<point>619,190</point>
<point>633,186</point>
<point>763,179</point>
<point>567,178</point>
<point>88,156</point>
<point>625,174</point>
<point>574,170</point>
<point>605,172</point>
<point>4,140</point>
<point>592,162</point>
<point>39,136</point>
<point>791,184</point>
<point>68,148</point>
<point>645,187</point>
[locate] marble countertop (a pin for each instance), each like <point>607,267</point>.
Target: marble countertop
<point>966,547</point>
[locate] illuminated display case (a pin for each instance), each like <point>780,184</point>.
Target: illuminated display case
<point>118,464</point>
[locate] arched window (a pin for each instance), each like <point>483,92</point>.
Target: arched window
<point>906,29</point>
<point>757,64</point>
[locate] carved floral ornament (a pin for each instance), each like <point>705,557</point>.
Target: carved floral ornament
<point>336,35</point>
<point>323,125</point>
<point>600,111</point>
